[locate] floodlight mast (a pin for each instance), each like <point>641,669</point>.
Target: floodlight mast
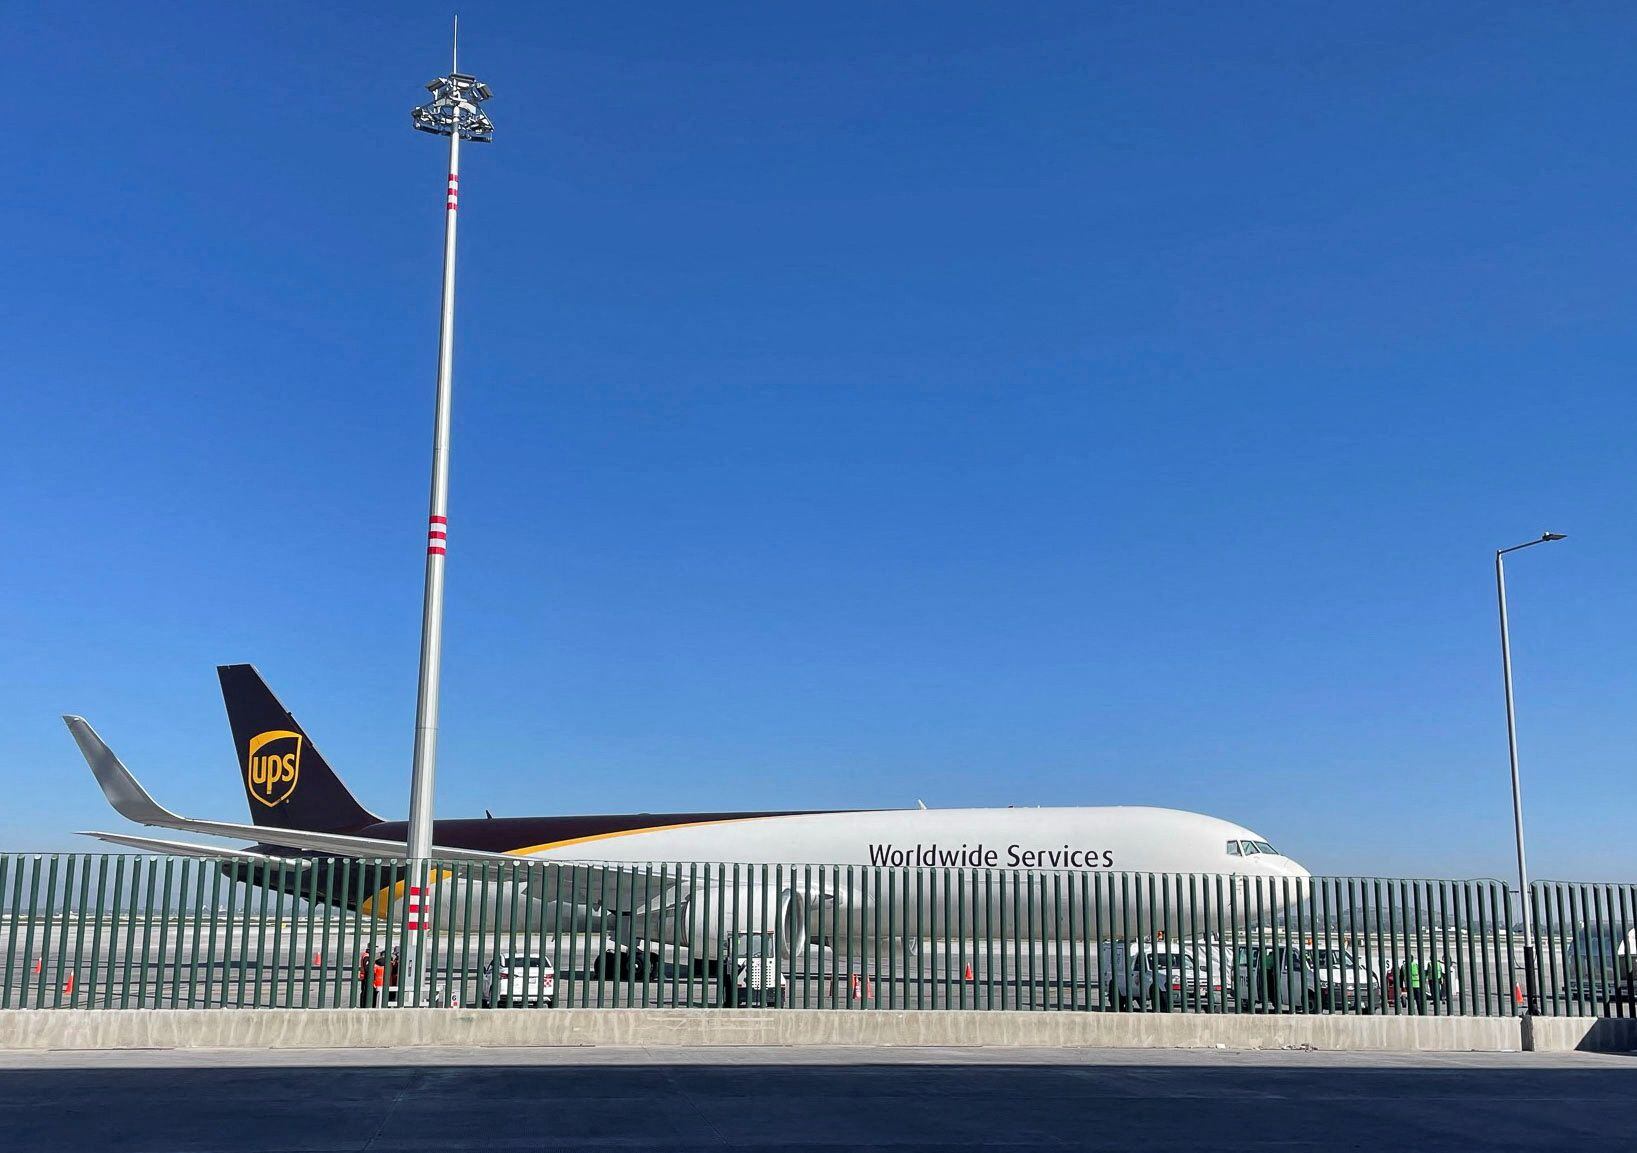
<point>452,112</point>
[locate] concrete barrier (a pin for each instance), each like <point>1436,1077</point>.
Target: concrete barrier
<point>350,1028</point>
<point>1588,1034</point>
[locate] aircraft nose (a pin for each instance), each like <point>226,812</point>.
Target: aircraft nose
<point>1287,877</point>
<point>1275,866</point>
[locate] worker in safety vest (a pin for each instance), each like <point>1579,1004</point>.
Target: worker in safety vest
<point>364,967</point>
<point>1432,983</point>
<point>1412,984</point>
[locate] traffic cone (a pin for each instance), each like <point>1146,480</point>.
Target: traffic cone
<point>318,959</point>
<point>37,962</point>
<point>857,995</point>
<point>1517,995</point>
<point>968,975</point>
<point>68,986</point>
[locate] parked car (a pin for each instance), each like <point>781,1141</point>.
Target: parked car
<point>750,971</point>
<point>1600,965</point>
<point>509,981</point>
<point>1161,976</point>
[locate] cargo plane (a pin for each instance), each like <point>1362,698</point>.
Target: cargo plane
<point>300,810</point>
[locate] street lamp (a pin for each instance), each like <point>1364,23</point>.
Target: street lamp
<point>452,112</point>
<point>1512,749</point>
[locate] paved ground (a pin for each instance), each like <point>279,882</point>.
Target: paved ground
<point>793,1099</point>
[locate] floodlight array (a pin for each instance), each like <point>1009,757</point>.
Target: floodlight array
<point>454,109</point>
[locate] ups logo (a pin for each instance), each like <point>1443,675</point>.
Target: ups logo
<point>272,766</point>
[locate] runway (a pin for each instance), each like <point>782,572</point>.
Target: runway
<point>320,1101</point>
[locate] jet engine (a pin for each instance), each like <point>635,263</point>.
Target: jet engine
<point>706,919</point>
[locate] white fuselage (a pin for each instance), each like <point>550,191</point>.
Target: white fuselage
<point>914,872</point>
<point>1131,839</point>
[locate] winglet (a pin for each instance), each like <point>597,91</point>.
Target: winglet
<point>128,797</point>
<point>133,803</point>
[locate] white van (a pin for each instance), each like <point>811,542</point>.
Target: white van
<point>1218,966</point>
<point>1290,978</point>
<point>1161,976</point>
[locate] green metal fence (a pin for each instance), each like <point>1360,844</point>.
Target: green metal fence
<point>111,931</point>
<point>1586,948</point>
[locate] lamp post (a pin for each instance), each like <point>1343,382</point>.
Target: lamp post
<point>453,112</point>
<point>1531,993</point>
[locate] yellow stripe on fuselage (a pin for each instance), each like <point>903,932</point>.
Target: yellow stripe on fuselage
<point>532,849</point>
<point>380,905</point>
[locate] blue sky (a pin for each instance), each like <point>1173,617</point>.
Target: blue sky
<point>855,403</point>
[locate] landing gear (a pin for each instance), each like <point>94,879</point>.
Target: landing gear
<point>616,964</point>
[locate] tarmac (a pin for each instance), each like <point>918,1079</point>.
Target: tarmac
<point>792,1098</point>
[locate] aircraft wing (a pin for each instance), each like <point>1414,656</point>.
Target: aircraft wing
<point>133,802</point>
<point>179,848</point>
<point>625,889</point>
<point>622,888</point>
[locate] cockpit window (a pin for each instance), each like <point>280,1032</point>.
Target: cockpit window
<point>1234,850</point>
<point>1264,847</point>
<point>1249,847</point>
